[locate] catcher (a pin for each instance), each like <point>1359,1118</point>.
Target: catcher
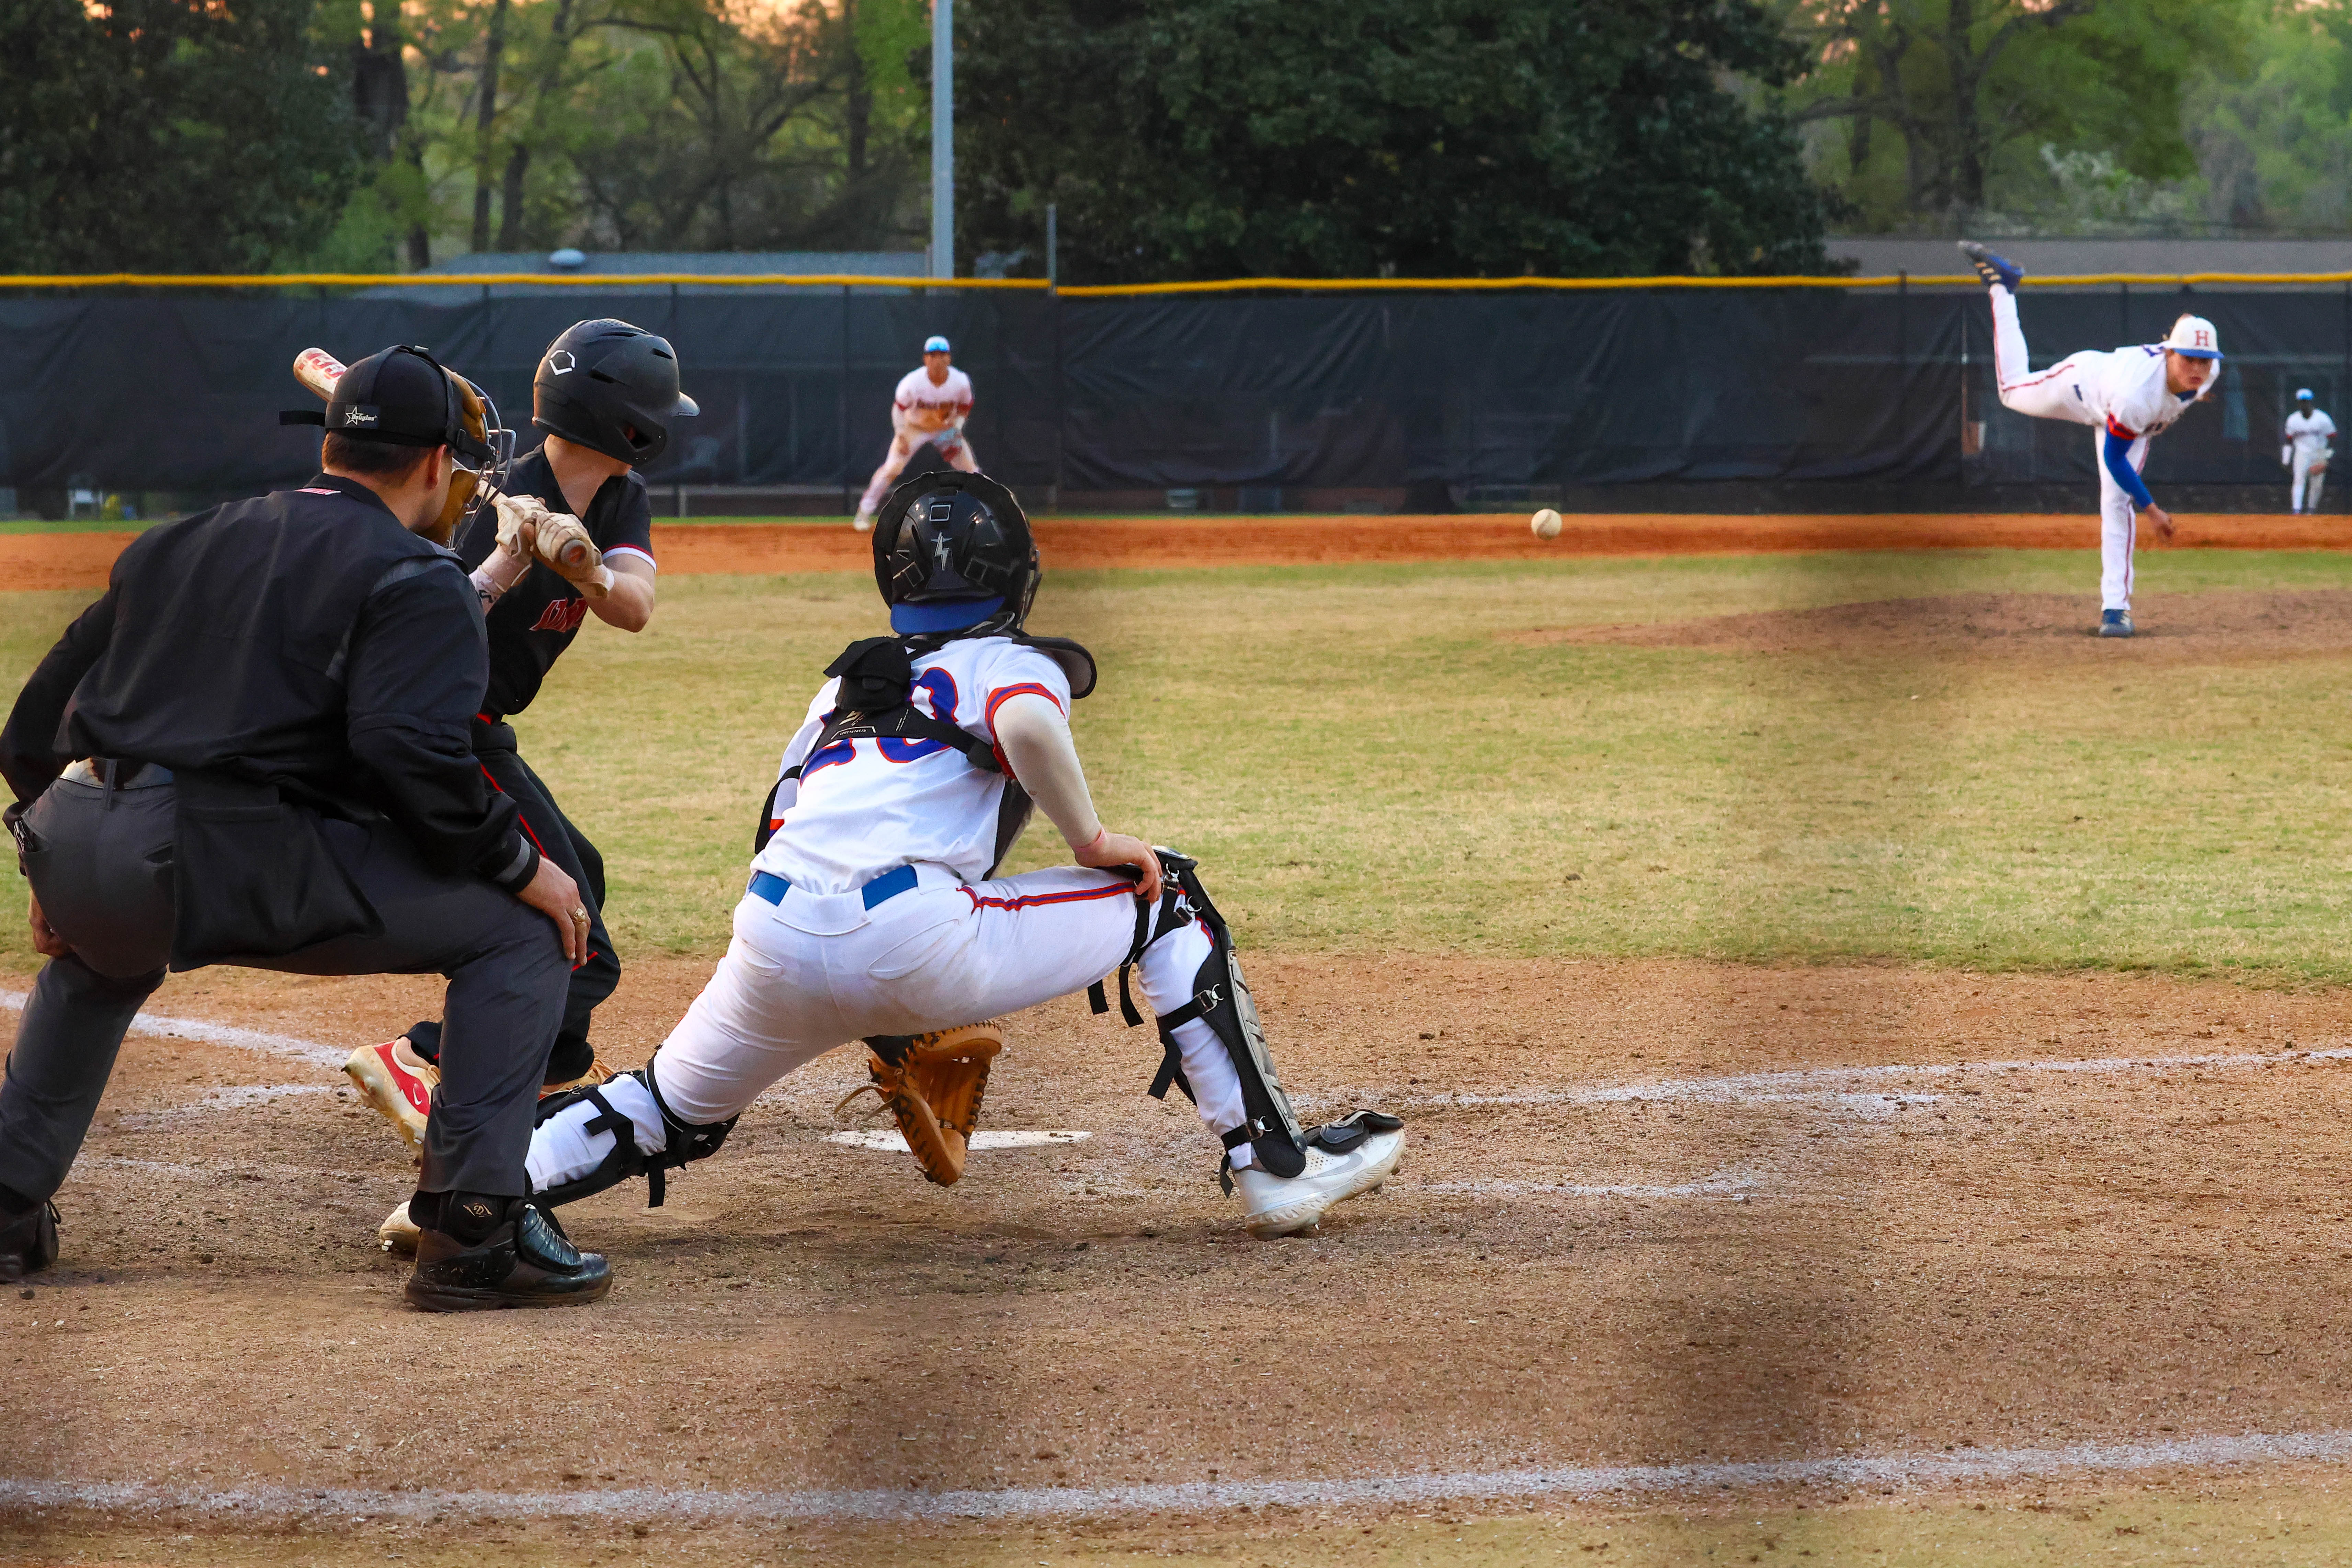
<point>873,910</point>
<point>572,536</point>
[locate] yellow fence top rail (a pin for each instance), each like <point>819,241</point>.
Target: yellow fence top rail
<point>1101,290</point>
<point>477,279</point>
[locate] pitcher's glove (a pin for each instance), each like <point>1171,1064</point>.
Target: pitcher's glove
<point>557,538</point>
<point>932,1084</point>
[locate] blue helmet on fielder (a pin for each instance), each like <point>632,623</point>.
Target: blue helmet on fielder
<point>874,911</point>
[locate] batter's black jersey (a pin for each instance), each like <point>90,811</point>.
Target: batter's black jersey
<point>535,620</point>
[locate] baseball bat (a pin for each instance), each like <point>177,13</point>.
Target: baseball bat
<point>320,371</point>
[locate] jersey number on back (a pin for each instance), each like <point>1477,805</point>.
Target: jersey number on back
<point>937,684</point>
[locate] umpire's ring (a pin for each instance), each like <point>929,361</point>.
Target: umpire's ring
<point>581,915</point>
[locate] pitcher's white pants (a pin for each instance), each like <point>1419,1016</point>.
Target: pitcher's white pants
<point>2310,473</point>
<point>903,446</point>
<point>2056,393</point>
<point>931,959</point>
<point>2118,524</point>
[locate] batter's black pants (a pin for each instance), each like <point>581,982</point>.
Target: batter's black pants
<point>560,841</point>
<point>100,863</point>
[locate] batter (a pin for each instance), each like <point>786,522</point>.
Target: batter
<point>2127,396</point>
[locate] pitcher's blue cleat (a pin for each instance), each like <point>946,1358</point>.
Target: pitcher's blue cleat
<point>1990,268</point>
<point>2114,622</point>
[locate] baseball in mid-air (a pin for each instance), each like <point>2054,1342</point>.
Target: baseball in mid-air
<point>1545,523</point>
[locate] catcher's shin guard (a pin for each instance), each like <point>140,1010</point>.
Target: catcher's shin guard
<point>1221,998</point>
<point>688,1142</point>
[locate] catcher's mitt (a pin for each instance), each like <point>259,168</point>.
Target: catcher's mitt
<point>932,1084</point>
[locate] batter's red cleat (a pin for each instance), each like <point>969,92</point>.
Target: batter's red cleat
<point>399,1083</point>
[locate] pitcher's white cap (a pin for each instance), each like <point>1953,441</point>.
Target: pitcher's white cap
<point>2194,337</point>
<point>935,344</point>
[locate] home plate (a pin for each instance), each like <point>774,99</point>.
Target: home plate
<point>897,1142</point>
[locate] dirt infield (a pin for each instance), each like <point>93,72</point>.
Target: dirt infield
<point>82,559</point>
<point>1664,1228</point>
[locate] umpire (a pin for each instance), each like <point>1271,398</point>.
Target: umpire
<point>253,749</point>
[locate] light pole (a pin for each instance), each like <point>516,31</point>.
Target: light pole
<point>943,138</point>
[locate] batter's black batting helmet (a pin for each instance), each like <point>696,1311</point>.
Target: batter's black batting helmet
<point>951,553</point>
<point>611,387</point>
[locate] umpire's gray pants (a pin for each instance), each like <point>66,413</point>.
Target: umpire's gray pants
<point>100,863</point>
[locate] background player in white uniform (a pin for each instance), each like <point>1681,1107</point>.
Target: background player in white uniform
<point>2127,396</point>
<point>2307,451</point>
<point>872,911</point>
<point>931,406</point>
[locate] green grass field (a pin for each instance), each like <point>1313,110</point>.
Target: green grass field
<point>1364,762</point>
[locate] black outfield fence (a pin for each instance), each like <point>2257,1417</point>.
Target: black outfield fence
<point>1437,396</point>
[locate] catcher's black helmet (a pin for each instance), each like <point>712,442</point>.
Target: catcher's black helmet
<point>612,387</point>
<point>953,552</point>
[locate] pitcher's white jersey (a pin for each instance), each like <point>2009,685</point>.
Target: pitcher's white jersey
<point>2308,433</point>
<point>922,407</point>
<point>2122,389</point>
<point>863,808</point>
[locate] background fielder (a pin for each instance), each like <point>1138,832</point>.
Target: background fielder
<point>2305,451</point>
<point>929,407</point>
<point>874,912</point>
<point>2128,395</point>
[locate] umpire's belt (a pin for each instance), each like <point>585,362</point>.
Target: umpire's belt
<point>831,914</point>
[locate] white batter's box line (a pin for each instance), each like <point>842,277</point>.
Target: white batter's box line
<point>212,1034</point>
<point>1912,1472</point>
<point>1734,1186</point>
<point>1840,1086</point>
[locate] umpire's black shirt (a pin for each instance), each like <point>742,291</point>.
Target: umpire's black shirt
<point>302,639</point>
<point>537,618</point>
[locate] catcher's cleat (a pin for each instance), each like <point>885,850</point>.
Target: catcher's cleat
<point>399,1083</point>
<point>932,1084</point>
<point>1351,1155</point>
<point>29,1242</point>
<point>525,1261</point>
<point>398,1233</point>
<point>1990,268</point>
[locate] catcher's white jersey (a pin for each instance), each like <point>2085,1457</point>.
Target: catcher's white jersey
<point>863,808</point>
<point>921,406</point>
<point>2308,433</point>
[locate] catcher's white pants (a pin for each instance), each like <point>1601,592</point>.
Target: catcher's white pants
<point>903,446</point>
<point>2310,473</point>
<point>944,955</point>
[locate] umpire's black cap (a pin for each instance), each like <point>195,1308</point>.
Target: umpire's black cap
<point>403,397</point>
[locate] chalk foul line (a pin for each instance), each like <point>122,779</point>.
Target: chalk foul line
<point>1843,1086</point>
<point>212,1034</point>
<point>258,1505</point>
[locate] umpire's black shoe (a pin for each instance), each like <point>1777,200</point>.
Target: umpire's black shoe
<point>29,1242</point>
<point>524,1261</point>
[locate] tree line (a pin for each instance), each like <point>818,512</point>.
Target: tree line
<point>1176,138</point>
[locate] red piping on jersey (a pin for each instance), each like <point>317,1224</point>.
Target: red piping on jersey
<point>988,720</point>
<point>520,820</point>
<point>1001,692</point>
<point>1031,901</point>
<point>2116,429</point>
